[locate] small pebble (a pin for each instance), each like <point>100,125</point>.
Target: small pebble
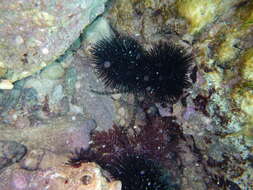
<point>122,122</point>
<point>76,109</point>
<point>1,64</point>
<point>6,85</point>
<point>10,152</point>
<point>14,117</point>
<point>116,96</point>
<point>78,85</point>
<point>19,40</point>
<point>57,94</point>
<point>121,111</point>
<point>22,122</point>
<point>45,51</point>
<point>32,160</point>
<point>118,117</point>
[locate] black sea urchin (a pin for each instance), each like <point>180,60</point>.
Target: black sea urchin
<point>135,171</point>
<point>168,71</point>
<point>139,173</point>
<point>119,63</point>
<point>161,73</point>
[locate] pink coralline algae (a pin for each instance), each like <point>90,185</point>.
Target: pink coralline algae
<point>19,181</point>
<point>88,176</point>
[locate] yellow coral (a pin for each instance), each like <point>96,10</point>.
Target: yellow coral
<point>248,131</point>
<point>245,13</point>
<point>247,65</point>
<point>247,103</point>
<point>123,12</point>
<point>198,12</point>
<point>146,3</point>
<point>243,97</point>
<point>226,51</point>
<point>214,79</point>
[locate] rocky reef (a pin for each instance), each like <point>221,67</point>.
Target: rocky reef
<point>48,111</point>
<point>217,111</point>
<point>86,177</point>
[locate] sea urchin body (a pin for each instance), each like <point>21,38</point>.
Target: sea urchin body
<point>136,172</point>
<point>168,70</point>
<point>119,63</point>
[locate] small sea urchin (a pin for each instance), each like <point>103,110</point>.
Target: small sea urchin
<point>161,73</point>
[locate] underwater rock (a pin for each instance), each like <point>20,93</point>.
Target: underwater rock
<point>15,101</point>
<point>88,176</point>
<point>43,86</point>
<point>10,152</point>
<point>62,134</point>
<point>99,29</point>
<point>22,122</point>
<point>57,94</point>
<point>10,98</point>
<point>33,34</point>
<point>29,97</point>
<point>76,138</point>
<point>32,159</point>
<point>6,84</point>
<point>53,72</point>
<point>70,79</point>
<point>100,108</point>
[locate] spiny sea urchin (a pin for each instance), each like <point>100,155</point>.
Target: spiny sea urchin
<point>168,71</point>
<point>140,161</point>
<point>161,73</point>
<point>119,63</point>
<point>137,172</point>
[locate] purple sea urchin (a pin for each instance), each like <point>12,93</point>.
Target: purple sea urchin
<point>140,161</point>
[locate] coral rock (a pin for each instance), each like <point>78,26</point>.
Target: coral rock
<point>87,176</point>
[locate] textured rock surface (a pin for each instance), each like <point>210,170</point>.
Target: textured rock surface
<point>10,152</point>
<point>58,135</point>
<point>40,97</point>
<point>89,176</point>
<point>59,90</point>
<point>35,33</point>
